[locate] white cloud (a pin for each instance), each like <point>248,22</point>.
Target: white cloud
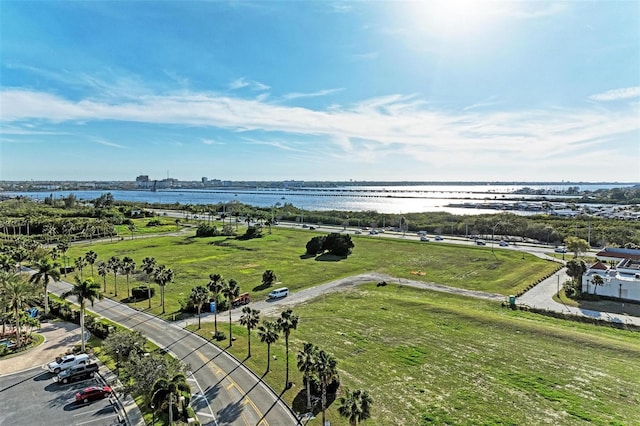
<point>107,143</point>
<point>371,129</point>
<point>297,95</point>
<point>241,83</point>
<point>617,94</point>
<point>211,142</point>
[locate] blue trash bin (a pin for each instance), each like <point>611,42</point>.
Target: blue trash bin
<point>212,306</point>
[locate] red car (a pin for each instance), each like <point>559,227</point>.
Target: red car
<point>92,393</point>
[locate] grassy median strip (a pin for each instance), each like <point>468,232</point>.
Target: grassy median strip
<point>433,358</point>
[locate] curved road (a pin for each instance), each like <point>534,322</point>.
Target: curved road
<point>226,393</point>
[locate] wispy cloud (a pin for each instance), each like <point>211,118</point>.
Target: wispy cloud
<point>399,124</point>
<point>241,83</point>
<point>107,143</point>
<point>297,95</point>
<point>617,94</point>
<point>211,142</point>
<point>367,56</point>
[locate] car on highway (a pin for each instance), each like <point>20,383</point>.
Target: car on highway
<point>357,232</point>
<point>438,238</point>
<point>373,232</point>
<point>560,249</point>
<point>92,393</point>
<point>423,238</point>
<point>503,244</point>
<point>481,243</point>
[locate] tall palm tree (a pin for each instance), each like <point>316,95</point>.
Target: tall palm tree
<point>269,334</point>
<point>80,263</point>
<point>84,290</point>
<point>103,270</point>
<point>16,293</point>
<point>62,248</point>
<point>149,266</point>
<point>287,322</point>
<point>114,266</point>
<point>199,295</point>
<point>162,276</point>
<point>165,392</point>
<point>128,267</point>
<point>327,371</point>
<point>231,290</point>
<point>355,406</point>
<point>250,318</point>
<point>91,257</point>
<point>46,270</point>
<point>215,285</point>
<point>306,365</point>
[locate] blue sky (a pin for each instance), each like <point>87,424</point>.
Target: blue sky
<point>320,90</point>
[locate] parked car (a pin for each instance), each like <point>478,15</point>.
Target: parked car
<point>67,361</point>
<point>243,299</point>
<point>77,372</point>
<point>92,393</point>
<point>438,238</point>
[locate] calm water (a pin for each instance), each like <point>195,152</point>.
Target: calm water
<point>390,199</point>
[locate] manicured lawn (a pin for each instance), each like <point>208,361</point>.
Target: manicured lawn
<point>193,259</point>
<point>432,358</point>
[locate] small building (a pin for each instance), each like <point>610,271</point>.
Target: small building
<point>620,282</point>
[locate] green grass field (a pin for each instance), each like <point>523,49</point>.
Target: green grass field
<point>431,358</point>
<point>193,259</point>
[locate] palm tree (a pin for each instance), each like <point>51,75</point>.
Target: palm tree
<point>16,294</point>
<point>327,371</point>
<point>80,263</point>
<point>287,322</point>
<point>198,296</point>
<point>306,364</point>
<point>103,269</point>
<point>250,318</point>
<point>149,266</point>
<point>46,269</point>
<point>165,392</point>
<point>128,267</point>
<point>132,229</point>
<point>7,262</point>
<point>62,248</point>
<point>114,266</point>
<point>231,290</point>
<point>269,334</point>
<point>84,290</point>
<point>215,286</point>
<point>355,406</point>
<point>162,276</point>
<point>596,281</point>
<point>91,257</point>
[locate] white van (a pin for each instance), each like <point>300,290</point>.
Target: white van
<point>279,292</point>
<point>67,361</point>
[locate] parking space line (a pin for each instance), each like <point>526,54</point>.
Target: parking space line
<point>96,420</point>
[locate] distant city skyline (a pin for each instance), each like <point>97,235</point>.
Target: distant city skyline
<point>320,91</point>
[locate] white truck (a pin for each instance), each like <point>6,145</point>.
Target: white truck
<point>67,361</point>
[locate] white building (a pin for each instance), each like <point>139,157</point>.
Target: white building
<point>620,282</point>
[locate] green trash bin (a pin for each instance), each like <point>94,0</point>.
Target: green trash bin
<point>512,301</point>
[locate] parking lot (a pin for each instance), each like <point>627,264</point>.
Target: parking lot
<point>32,398</point>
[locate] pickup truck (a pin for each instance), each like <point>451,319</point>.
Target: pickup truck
<point>243,299</point>
<point>78,372</point>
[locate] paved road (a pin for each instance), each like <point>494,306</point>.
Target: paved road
<point>226,393</point>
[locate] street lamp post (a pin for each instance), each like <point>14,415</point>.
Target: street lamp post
<point>153,414</point>
<point>117,362</point>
